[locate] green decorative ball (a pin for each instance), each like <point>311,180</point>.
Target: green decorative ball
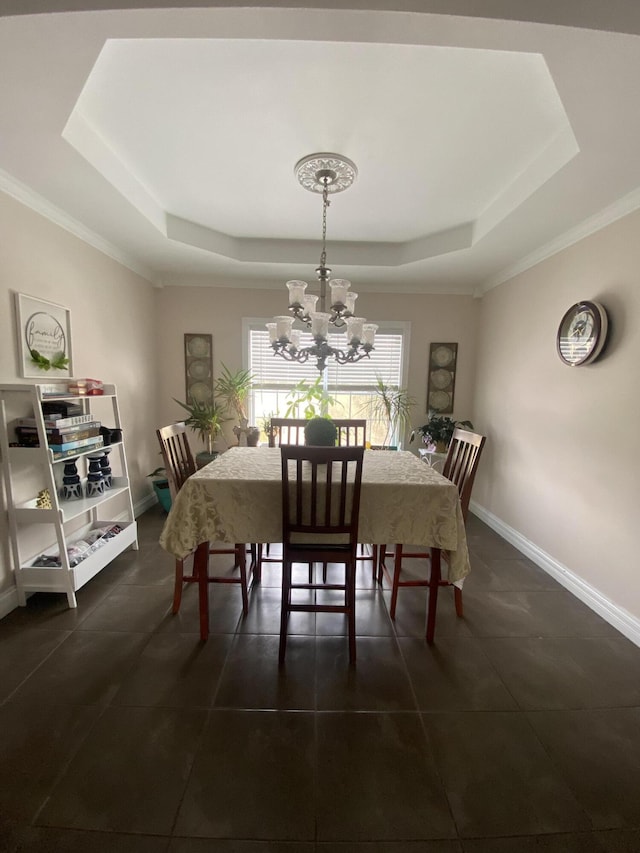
<point>320,432</point>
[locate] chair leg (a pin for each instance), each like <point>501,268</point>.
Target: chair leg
<point>374,561</point>
<point>284,609</point>
<point>457,599</point>
<point>177,589</point>
<point>201,571</point>
<point>397,565</point>
<point>241,561</point>
<point>351,604</point>
<point>434,586</point>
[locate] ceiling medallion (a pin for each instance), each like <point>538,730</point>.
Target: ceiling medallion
<point>333,171</point>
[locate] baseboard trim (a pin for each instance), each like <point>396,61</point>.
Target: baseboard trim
<point>8,601</point>
<point>615,615</point>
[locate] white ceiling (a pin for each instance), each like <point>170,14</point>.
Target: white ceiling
<point>168,139</point>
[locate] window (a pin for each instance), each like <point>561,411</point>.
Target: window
<point>352,385</point>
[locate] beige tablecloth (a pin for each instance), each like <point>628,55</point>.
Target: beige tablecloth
<point>237,498</point>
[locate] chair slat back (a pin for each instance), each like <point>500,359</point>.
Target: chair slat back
<point>321,491</point>
<point>351,432</point>
<point>176,456</point>
<point>461,463</point>
<point>286,431</point>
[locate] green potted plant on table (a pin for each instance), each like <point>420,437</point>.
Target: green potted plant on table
<point>437,432</point>
<point>205,418</point>
<point>392,406</point>
<point>320,432</point>
<point>233,389</point>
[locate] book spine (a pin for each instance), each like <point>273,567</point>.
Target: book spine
<point>74,445</point>
<point>73,451</point>
<point>58,422</point>
<point>67,433</point>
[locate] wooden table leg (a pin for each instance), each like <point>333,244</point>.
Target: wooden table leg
<point>201,571</point>
<point>434,586</point>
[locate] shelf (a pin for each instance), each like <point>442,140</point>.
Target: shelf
<point>53,578</point>
<point>69,510</point>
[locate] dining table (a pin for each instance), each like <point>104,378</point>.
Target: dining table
<point>238,498</point>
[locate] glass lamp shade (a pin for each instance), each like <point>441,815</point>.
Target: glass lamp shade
<point>273,334</point>
<point>320,324</point>
<point>350,304</point>
<point>355,330</point>
<point>295,338</point>
<point>296,292</point>
<point>283,327</point>
<point>309,303</point>
<point>369,331</point>
<point>339,288</point>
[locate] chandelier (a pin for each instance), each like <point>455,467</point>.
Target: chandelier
<point>325,174</point>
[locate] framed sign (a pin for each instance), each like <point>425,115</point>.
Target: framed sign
<point>44,338</point>
<point>198,367</point>
<point>442,377</point>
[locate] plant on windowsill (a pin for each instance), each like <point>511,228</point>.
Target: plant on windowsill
<point>437,432</point>
<point>311,397</point>
<point>233,389</point>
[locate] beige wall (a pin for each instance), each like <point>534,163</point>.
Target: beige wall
<point>561,465</point>
<point>114,333</point>
<point>219,312</point>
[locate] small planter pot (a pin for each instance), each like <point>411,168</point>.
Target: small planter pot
<point>161,488</point>
<point>204,457</point>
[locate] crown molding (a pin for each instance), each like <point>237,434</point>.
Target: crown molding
<point>623,207</point>
<point>22,193</point>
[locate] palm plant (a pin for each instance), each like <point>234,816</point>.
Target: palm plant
<point>205,418</point>
<point>392,405</point>
<point>233,389</point>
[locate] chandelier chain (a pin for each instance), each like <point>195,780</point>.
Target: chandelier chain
<point>325,205</point>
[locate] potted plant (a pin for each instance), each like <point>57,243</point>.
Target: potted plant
<point>311,397</point>
<point>161,487</point>
<point>438,431</point>
<point>205,418</point>
<point>392,405</point>
<point>233,389</point>
<point>320,432</point>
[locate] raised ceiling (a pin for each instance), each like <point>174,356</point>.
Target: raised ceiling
<point>168,138</point>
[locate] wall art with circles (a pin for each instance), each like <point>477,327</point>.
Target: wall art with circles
<point>441,377</point>
<point>198,367</point>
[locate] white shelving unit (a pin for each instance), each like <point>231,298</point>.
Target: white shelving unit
<point>27,470</point>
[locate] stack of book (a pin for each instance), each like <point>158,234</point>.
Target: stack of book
<point>66,435</point>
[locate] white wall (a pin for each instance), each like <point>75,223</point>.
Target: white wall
<point>561,466</point>
<point>114,334</point>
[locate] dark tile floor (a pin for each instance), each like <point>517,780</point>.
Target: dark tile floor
<point>519,730</point>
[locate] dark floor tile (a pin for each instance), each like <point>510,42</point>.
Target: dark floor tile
<point>570,842</point>
<point>411,614</point>
<point>38,740</point>
<point>377,682</point>
<point>253,679</point>
<point>377,780</point>
<point>104,789</point>
<point>49,840</point>
<point>176,671</point>
<point>253,778</point>
<point>487,545</point>
<point>619,840</point>
<point>454,675</point>
<point>598,752</point>
<point>264,613</point>
<point>500,575</point>
<point>51,610</point>
<point>552,674</point>
<point>542,613</point>
<point>372,616</point>
<point>432,846</point>
<point>129,608</point>
<point>214,845</point>
<point>498,778</point>
<point>22,651</point>
<point>225,611</point>
<point>86,669</point>
<point>150,567</point>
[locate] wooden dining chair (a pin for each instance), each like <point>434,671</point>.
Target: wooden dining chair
<point>180,465</point>
<point>286,431</point>
<point>320,502</point>
<point>460,467</point>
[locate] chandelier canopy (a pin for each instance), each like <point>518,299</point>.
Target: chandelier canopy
<point>325,174</point>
